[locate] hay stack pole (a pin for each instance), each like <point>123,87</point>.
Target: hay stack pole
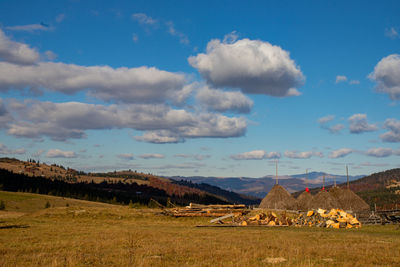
<point>347,173</point>
<point>276,171</point>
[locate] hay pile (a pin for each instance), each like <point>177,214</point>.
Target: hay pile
<point>324,200</point>
<point>278,198</point>
<point>348,200</point>
<point>304,201</point>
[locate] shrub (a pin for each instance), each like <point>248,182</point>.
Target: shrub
<point>2,205</point>
<point>47,205</point>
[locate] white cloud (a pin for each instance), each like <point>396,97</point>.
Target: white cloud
<point>380,152</point>
<point>254,66</point>
<point>5,116</point>
<point>144,19</point>
<point>152,156</point>
<point>340,153</point>
<point>4,150</point>
<point>326,119</point>
<point>323,121</point>
<point>38,153</point>
<point>387,76</point>
<point>172,31</point>
<point>393,135</point>
<point>359,124</point>
<point>341,78</point>
<point>126,156</point>
<point>336,128</point>
<point>392,33</point>
<point>60,18</point>
<point>224,101</point>
<point>159,137</point>
<point>50,55</point>
<point>354,82</point>
<point>302,155</point>
<point>186,165</point>
<point>192,156</point>
<point>231,37</point>
<point>256,155</point>
<point>17,53</point>
<point>62,121</point>
<point>129,85</point>
<point>30,27</point>
<point>57,153</point>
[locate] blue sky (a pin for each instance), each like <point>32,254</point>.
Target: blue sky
<point>212,88</point>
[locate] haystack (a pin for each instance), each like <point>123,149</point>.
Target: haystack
<point>348,200</point>
<point>304,200</point>
<point>324,200</point>
<point>278,198</point>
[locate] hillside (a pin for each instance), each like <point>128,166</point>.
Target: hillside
<point>125,186</point>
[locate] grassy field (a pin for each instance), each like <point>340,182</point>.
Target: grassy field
<point>80,233</point>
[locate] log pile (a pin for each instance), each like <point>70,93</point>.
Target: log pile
<point>261,219</point>
<point>197,210</point>
<point>335,218</point>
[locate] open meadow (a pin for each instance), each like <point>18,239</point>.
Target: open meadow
<point>79,233</point>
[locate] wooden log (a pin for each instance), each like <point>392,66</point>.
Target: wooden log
<point>222,218</point>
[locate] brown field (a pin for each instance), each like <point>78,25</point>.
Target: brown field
<point>80,233</point>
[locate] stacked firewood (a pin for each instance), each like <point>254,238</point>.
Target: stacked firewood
<point>261,219</point>
<point>198,210</point>
<point>335,218</point>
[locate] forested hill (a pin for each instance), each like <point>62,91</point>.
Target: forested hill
<point>376,180</point>
<point>227,195</point>
<point>126,185</point>
<point>118,192</point>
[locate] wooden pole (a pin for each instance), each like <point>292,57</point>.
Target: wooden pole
<point>276,170</point>
<point>307,178</point>
<point>347,173</point>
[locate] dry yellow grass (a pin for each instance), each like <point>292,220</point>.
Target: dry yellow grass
<point>87,234</point>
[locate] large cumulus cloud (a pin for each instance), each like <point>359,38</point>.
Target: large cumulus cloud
<point>254,66</point>
<point>128,85</point>
<point>161,123</point>
<point>223,101</point>
<point>387,76</point>
<point>15,52</point>
<point>393,133</point>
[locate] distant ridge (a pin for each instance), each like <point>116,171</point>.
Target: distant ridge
<point>259,187</point>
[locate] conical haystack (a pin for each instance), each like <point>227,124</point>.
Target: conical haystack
<point>278,198</point>
<point>324,200</point>
<point>348,200</point>
<point>304,200</point>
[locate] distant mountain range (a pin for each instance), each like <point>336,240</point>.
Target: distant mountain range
<point>259,187</point>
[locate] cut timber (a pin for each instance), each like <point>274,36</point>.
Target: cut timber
<point>201,206</point>
<point>278,198</point>
<point>336,218</point>
<point>219,219</point>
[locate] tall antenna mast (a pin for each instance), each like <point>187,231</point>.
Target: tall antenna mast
<point>276,169</point>
<point>347,173</point>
